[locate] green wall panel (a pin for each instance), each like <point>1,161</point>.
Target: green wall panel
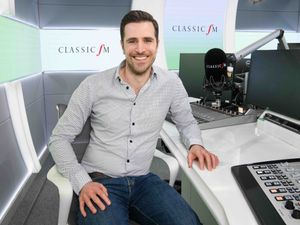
<point>19,50</point>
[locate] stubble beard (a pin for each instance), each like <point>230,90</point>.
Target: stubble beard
<point>139,71</point>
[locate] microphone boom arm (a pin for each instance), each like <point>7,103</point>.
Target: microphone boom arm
<point>279,34</point>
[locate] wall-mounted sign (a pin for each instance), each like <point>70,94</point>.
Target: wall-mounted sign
<point>193,26</point>
<point>81,49</point>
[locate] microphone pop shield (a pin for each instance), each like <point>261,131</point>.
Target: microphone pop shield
<point>215,65</point>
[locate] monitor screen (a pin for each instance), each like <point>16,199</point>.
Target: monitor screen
<point>192,74</point>
<point>274,81</point>
<point>291,46</point>
<point>242,66</point>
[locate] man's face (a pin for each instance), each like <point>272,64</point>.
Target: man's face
<point>139,46</point>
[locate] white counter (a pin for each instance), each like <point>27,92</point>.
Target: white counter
<point>234,145</point>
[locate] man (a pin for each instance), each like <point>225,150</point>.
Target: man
<point>127,106</point>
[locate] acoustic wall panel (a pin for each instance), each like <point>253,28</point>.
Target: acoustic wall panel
<point>33,93</point>
<point>27,10</point>
<point>13,171</point>
<point>78,13</point>
<point>59,86</point>
<point>267,15</point>
<point>19,50</point>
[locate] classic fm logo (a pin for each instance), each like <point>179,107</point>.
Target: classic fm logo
<point>102,48</point>
<point>205,29</point>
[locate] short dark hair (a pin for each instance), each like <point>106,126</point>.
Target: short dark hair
<point>136,16</point>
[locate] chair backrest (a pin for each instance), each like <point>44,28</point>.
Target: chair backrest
<point>82,140</point>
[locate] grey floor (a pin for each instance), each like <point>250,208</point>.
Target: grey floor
<point>40,202</point>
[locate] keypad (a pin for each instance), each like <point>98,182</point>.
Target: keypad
<point>281,184</point>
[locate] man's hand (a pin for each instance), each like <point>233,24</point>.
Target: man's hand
<point>90,193</point>
<point>204,157</point>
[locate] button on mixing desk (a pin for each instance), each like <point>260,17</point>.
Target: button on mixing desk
<point>275,182</point>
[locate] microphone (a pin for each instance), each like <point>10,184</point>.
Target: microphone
<point>217,74</point>
<point>215,70</point>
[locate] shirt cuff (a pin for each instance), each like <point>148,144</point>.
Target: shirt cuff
<point>194,141</point>
<point>79,180</point>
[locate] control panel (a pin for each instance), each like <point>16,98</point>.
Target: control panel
<point>272,189</point>
<point>208,116</point>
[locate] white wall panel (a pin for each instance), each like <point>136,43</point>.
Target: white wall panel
<point>80,49</point>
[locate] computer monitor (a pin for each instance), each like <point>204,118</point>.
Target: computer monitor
<point>242,66</point>
<point>192,74</point>
<point>241,69</point>
<point>291,46</point>
<point>274,80</point>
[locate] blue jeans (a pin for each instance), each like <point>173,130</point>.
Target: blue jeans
<point>147,199</point>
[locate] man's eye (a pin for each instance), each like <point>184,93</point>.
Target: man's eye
<point>149,40</point>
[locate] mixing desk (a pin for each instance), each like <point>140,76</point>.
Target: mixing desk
<point>272,189</point>
<point>209,117</point>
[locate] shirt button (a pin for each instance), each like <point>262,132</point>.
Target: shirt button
<point>128,161</point>
<point>130,141</point>
<point>127,87</point>
<point>134,103</point>
<point>133,124</point>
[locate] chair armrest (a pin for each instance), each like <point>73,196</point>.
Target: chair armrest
<point>65,192</point>
<point>172,164</point>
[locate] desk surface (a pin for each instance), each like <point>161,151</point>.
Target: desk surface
<point>234,145</point>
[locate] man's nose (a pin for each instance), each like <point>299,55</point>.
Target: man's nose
<point>140,47</point>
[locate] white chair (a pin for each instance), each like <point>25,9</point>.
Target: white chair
<point>64,187</point>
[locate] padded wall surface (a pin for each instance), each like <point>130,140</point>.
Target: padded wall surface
<point>268,15</point>
<point>4,111</point>
<point>58,89</point>
<point>33,92</point>
<point>27,10</point>
<point>12,167</point>
<point>78,13</point>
